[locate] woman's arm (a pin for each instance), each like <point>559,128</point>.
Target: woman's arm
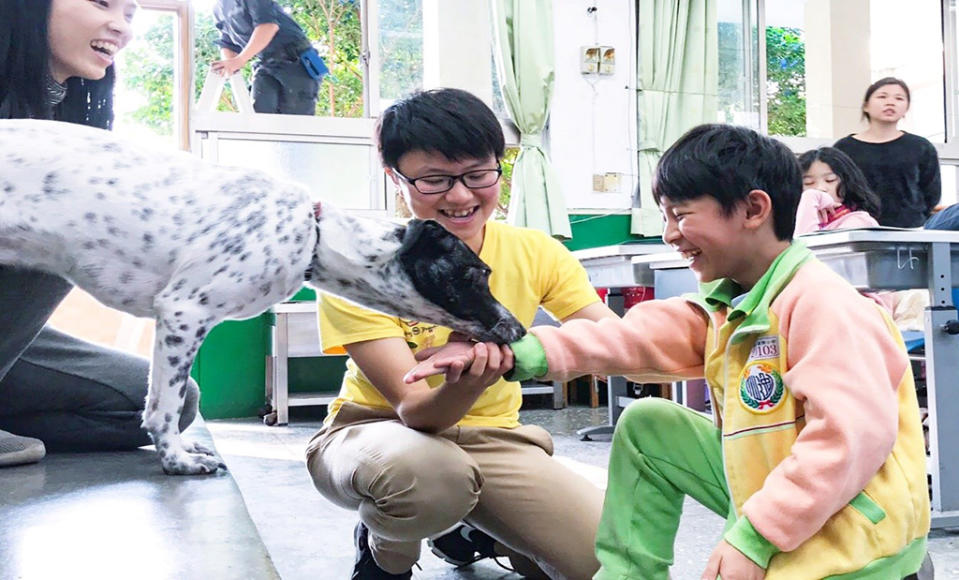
<point>930,180</point>
<point>384,361</point>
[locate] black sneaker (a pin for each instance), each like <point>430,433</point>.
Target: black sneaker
<point>365,567</point>
<point>463,545</point>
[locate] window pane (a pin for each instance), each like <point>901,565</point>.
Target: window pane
<point>401,48</point>
<point>738,81</point>
<point>785,68</point>
<point>143,101</point>
<point>821,55</point>
<point>341,173</point>
<point>907,43</point>
<point>333,26</point>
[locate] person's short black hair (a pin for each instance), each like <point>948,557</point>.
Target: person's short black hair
<point>449,121</point>
<point>885,81</point>
<point>726,162</point>
<point>853,188</point>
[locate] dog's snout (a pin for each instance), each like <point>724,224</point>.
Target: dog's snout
<point>507,330</point>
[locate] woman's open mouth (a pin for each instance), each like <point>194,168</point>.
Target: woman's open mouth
<point>458,215</point>
<point>105,49</point>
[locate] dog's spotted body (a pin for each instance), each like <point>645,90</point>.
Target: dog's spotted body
<point>188,243</point>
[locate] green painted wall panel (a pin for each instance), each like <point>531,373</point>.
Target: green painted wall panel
<point>231,368</point>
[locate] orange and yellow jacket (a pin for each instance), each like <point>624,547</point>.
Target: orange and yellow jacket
<point>814,395</point>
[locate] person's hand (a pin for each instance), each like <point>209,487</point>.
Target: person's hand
<point>453,358</point>
<point>826,205</point>
<point>228,66</point>
<point>728,563</point>
<point>437,360</point>
<point>490,362</point>
<point>826,212</point>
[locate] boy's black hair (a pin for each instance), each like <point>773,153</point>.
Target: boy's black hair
<point>449,121</point>
<point>25,71</point>
<point>726,162</point>
<point>885,81</point>
<point>853,188</point>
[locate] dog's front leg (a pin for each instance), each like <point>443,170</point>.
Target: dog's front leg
<point>178,337</point>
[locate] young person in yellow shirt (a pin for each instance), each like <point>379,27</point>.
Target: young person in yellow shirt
<point>417,459</point>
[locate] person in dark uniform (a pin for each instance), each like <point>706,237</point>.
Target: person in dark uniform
<point>260,28</point>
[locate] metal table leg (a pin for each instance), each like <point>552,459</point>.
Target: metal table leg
<point>942,386</point>
<point>615,386</point>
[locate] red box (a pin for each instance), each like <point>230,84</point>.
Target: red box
<point>636,294</point>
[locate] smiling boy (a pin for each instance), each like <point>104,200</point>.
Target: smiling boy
<point>814,453</point>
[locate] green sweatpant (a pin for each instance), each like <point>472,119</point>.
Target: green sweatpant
<point>661,452</point>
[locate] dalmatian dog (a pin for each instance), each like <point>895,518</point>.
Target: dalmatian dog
<point>189,243</point>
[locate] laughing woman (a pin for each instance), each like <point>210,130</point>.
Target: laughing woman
<point>58,392</point>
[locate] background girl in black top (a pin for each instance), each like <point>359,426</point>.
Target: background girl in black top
<point>901,167</point>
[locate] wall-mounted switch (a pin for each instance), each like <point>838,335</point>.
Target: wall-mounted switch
<point>607,60</point>
<point>599,182</point>
<point>589,59</point>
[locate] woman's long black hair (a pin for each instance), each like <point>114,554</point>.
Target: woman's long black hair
<point>25,71</point>
<point>853,188</point>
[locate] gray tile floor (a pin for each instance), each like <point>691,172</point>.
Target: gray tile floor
<point>310,538</point>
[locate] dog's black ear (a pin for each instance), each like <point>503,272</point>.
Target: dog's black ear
<point>415,229</point>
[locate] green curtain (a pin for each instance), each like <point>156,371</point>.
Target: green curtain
<point>523,37</point>
<point>678,82</point>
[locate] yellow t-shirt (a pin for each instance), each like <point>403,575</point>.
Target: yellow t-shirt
<point>529,269</point>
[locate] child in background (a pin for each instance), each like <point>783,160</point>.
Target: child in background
<point>814,454</point>
<point>836,196</point>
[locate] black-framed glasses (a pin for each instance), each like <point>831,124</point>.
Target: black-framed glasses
<point>433,184</point>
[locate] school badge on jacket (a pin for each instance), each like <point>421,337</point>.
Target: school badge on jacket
<point>761,387</point>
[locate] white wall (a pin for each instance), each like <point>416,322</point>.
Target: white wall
<point>446,23</point>
<point>592,124</point>
<point>593,121</point>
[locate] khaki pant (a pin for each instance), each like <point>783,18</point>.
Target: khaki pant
<point>408,485</point>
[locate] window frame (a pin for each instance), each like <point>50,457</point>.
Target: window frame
<point>183,68</point>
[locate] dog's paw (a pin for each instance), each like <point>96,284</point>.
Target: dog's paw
<point>194,447</point>
<point>191,464</point>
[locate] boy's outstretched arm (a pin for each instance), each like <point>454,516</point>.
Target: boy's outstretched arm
<point>656,340</point>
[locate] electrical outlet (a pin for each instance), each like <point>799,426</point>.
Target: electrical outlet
<point>611,182</point>
<point>607,60</point>
<point>589,59</point>
<point>607,182</point>
<point>599,182</point>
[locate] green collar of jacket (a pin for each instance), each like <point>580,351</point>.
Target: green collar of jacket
<point>754,308</point>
